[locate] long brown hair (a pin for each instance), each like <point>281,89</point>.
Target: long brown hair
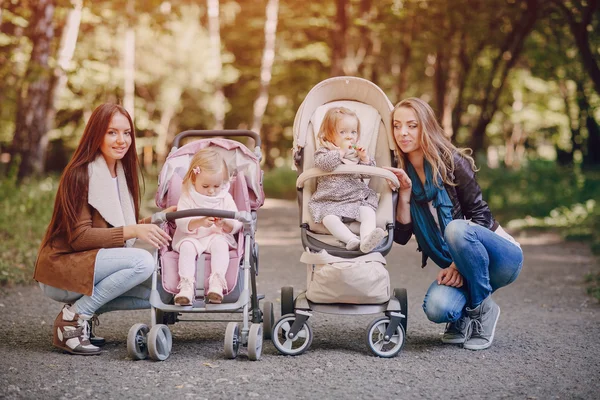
<point>437,148</point>
<point>74,182</point>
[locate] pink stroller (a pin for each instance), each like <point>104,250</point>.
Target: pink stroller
<point>246,189</point>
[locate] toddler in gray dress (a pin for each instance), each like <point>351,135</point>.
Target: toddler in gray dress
<point>343,198</point>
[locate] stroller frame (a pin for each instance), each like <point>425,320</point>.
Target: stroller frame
<point>385,335</point>
<point>157,341</point>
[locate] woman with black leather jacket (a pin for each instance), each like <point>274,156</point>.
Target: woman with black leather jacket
<point>441,203</point>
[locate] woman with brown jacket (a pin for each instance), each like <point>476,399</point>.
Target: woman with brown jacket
<point>86,255</point>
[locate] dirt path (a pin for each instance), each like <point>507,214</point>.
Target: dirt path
<point>546,342</point>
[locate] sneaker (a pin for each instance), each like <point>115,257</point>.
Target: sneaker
<point>71,333</point>
<point>482,327</point>
<point>353,244</point>
<point>186,293</point>
<point>95,339</point>
<point>369,242</point>
<point>456,332</point>
<point>216,286</point>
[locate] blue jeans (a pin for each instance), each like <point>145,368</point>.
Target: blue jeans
<point>486,262</point>
<point>121,282</point>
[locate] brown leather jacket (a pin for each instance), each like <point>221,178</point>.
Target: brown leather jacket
<point>70,265</point>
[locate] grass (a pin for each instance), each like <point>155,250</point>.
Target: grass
<point>25,211</point>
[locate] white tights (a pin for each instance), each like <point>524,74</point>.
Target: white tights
<point>219,259</point>
<point>334,224</point>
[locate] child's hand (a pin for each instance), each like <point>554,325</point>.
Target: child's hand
<point>219,222</point>
<point>332,146</point>
<point>362,154</point>
<point>206,222</point>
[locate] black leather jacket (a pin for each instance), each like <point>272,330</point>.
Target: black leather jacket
<point>467,202</point>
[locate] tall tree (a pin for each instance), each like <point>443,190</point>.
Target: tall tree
<point>268,57</point>
<point>579,15</point>
<point>129,60</point>
<point>214,30</point>
<point>32,104</point>
<point>68,42</point>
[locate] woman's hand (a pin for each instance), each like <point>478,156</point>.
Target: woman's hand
<point>151,233</point>
<point>405,182</point>
<point>450,277</point>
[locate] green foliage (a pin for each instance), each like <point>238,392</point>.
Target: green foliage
<point>593,285</point>
<point>544,195</point>
<point>25,211</point>
<point>280,183</point>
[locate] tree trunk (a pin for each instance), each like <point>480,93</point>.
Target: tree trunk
<point>214,30</point>
<point>32,104</point>
<point>66,50</point>
<point>338,50</point>
<point>580,33</point>
<point>260,104</point>
<point>129,61</point>
<point>507,57</point>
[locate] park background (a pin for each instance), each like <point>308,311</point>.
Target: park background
<point>518,81</point>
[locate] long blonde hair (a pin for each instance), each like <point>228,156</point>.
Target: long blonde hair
<point>437,148</point>
<point>205,160</point>
<point>327,131</point>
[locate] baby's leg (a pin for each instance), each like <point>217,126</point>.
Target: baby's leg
<point>340,231</point>
<point>187,267</point>
<point>367,219</point>
<point>370,235</point>
<point>187,260</point>
<point>219,261</point>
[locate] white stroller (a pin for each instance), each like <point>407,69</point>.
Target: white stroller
<point>247,191</point>
<point>386,334</point>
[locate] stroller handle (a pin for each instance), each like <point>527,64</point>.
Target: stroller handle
<point>160,217</point>
<point>211,133</point>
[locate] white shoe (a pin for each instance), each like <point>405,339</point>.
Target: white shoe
<point>216,286</point>
<point>186,293</point>
<point>369,242</point>
<point>353,244</point>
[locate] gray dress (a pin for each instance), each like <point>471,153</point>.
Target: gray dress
<point>339,195</point>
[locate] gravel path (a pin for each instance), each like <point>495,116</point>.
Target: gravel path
<point>546,342</point>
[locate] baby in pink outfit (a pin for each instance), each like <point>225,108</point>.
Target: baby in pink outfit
<point>206,185</point>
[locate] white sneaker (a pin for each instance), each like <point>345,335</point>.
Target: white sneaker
<point>353,244</point>
<point>186,293</point>
<point>216,286</point>
<point>371,240</point>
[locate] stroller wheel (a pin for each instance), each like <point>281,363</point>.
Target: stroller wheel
<point>255,342</point>
<point>402,296</point>
<point>287,346</point>
<point>287,300</point>
<point>377,342</point>
<point>232,340</point>
<point>137,347</point>
<point>268,319</point>
<point>160,342</point>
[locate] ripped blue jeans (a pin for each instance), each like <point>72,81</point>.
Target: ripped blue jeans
<point>486,262</point>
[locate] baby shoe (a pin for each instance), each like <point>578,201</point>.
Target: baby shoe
<point>371,241</point>
<point>216,286</point>
<point>71,333</point>
<point>186,292</point>
<point>353,244</point>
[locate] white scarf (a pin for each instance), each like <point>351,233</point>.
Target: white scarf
<point>204,201</point>
<point>117,211</point>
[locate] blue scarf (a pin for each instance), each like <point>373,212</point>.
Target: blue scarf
<point>429,237</point>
